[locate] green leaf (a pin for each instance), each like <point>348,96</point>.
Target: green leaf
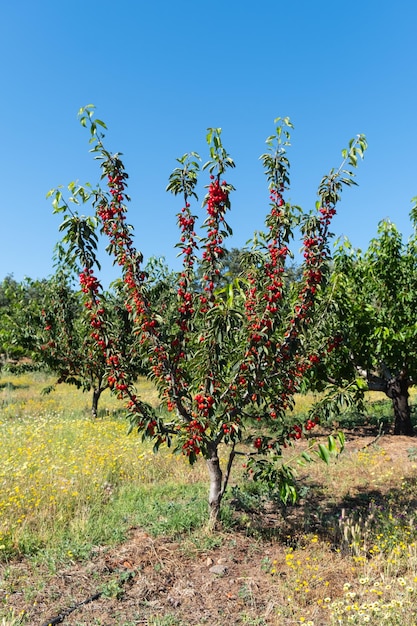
<point>361,384</point>
<point>323,453</point>
<point>341,439</point>
<point>331,444</point>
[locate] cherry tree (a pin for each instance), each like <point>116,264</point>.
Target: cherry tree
<point>227,359</point>
<point>374,313</point>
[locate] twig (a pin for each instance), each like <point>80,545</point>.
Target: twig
<point>371,443</point>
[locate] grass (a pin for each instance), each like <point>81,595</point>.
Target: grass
<point>69,482</point>
<point>70,485</point>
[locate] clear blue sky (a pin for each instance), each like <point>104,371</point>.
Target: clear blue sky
<point>161,72</point>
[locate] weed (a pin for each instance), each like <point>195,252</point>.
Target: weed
<point>247,593</point>
<point>112,589</point>
<point>12,620</point>
<point>253,621</point>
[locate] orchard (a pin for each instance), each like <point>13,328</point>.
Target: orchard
<point>227,358</point>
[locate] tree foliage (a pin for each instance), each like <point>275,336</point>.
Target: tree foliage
<point>9,349</point>
<point>226,356</point>
<point>374,295</point>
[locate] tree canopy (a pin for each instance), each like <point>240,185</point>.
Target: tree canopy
<point>374,312</point>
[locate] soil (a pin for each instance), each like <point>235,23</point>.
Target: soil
<point>160,581</point>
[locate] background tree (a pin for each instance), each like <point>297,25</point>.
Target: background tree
<point>374,297</point>
<point>70,344</point>
<point>46,321</point>
<point>20,304</point>
<point>9,350</point>
<point>233,266</point>
<point>227,361</point>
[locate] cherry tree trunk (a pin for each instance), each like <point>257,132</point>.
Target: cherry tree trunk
<point>96,398</point>
<point>397,390</point>
<point>216,483</point>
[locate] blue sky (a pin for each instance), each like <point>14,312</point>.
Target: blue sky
<point>161,72</point>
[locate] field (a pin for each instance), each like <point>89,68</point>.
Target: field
<point>95,530</point>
